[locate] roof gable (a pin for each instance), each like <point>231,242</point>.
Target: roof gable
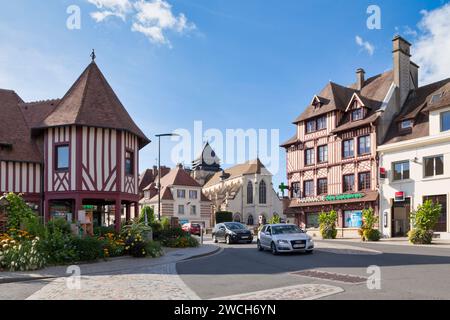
<point>92,102</point>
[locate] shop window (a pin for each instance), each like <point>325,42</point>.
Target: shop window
<point>352,219</point>
<point>347,147</point>
<point>441,225</point>
<point>322,186</point>
<point>363,145</point>
<point>322,154</point>
<point>62,157</point>
<point>309,188</point>
<point>309,157</point>
<point>434,166</point>
<point>445,121</point>
<point>364,181</point>
<point>312,220</point>
<point>129,163</point>
<point>401,170</point>
<point>349,183</point>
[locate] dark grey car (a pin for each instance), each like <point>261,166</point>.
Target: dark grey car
<point>232,232</point>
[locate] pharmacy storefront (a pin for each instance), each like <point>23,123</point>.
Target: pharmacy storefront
<point>349,207</point>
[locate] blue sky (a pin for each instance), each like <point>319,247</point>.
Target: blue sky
<point>230,63</point>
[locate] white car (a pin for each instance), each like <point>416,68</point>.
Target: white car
<point>284,238</point>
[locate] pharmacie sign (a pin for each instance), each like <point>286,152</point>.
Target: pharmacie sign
<point>345,196</point>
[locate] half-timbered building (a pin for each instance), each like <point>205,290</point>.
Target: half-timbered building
<point>332,158</point>
<point>73,154</point>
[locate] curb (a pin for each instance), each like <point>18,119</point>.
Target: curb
<point>201,255</point>
<point>23,279</point>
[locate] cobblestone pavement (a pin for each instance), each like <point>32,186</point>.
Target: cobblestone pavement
<point>156,283</point>
<point>298,292</point>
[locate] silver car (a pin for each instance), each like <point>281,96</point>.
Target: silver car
<point>284,238</point>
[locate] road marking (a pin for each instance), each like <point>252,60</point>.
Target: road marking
<point>297,292</point>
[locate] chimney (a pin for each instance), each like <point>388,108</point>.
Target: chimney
<point>360,79</point>
<point>402,68</point>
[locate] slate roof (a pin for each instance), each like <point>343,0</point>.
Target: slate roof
<point>15,137</point>
<point>91,101</point>
<point>249,167</point>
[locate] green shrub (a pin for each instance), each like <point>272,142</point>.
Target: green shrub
<point>419,236</point>
<point>154,249</point>
<point>135,228</point>
<point>59,248</point>
<point>19,213</point>
<point>102,230</point>
<point>327,221</point>
<point>59,224</point>
<point>424,220</point>
<point>182,242</point>
<point>149,212</point>
<point>224,216</point>
<point>88,249</point>
<point>165,223</point>
<point>367,231</point>
<point>169,234</point>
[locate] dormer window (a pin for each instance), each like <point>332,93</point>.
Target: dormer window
<point>316,124</point>
<point>357,114</point>
<point>406,124</point>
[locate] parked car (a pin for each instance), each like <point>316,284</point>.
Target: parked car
<point>232,232</point>
<point>192,228</point>
<point>284,238</point>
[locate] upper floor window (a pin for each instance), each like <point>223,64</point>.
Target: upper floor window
<point>62,157</point>
<point>364,181</point>
<point>322,186</point>
<point>363,145</point>
<point>357,114</point>
<point>295,190</point>
<point>309,157</point>
<point>445,121</point>
<point>262,192</point>
<point>406,124</point>
<point>193,194</point>
<point>180,209</point>
<point>129,163</point>
<point>249,192</point>
<point>347,148</point>
<point>349,183</point>
<point>434,166</point>
<point>316,124</point>
<point>181,193</point>
<point>401,170</point>
<point>308,188</point>
<point>321,123</point>
<point>193,210</point>
<point>310,126</point>
<point>322,154</point>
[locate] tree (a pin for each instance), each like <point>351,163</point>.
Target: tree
<point>148,212</point>
<point>424,221</point>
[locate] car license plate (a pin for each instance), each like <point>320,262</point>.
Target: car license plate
<point>297,246</point>
<point>244,237</point>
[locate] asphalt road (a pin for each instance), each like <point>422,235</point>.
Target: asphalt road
<point>406,272</point>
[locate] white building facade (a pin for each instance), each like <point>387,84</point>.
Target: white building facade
<point>417,163</point>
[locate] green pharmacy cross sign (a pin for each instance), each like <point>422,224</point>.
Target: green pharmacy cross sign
<point>283,187</point>
<point>344,196</point>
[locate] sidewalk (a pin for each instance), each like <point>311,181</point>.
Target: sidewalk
<point>437,243</point>
<point>113,265</point>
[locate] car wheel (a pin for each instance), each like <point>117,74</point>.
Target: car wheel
<point>228,239</point>
<point>259,246</point>
<point>274,249</point>
<point>215,239</point>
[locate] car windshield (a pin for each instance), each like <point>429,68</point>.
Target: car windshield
<point>286,229</point>
<point>235,226</point>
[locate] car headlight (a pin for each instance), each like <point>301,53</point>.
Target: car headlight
<point>283,242</point>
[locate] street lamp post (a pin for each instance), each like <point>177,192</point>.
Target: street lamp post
<point>159,167</point>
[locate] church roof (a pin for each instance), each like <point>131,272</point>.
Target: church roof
<point>92,102</point>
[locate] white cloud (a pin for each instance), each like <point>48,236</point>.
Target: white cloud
<point>365,45</point>
<point>152,18</point>
<point>431,51</point>
<point>108,8</point>
<point>155,17</point>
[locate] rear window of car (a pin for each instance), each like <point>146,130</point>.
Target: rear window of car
<point>195,225</point>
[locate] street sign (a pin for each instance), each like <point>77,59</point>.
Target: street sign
<point>399,196</point>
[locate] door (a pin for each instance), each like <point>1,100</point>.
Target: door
<point>266,237</point>
<point>221,232</point>
<point>400,218</point>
